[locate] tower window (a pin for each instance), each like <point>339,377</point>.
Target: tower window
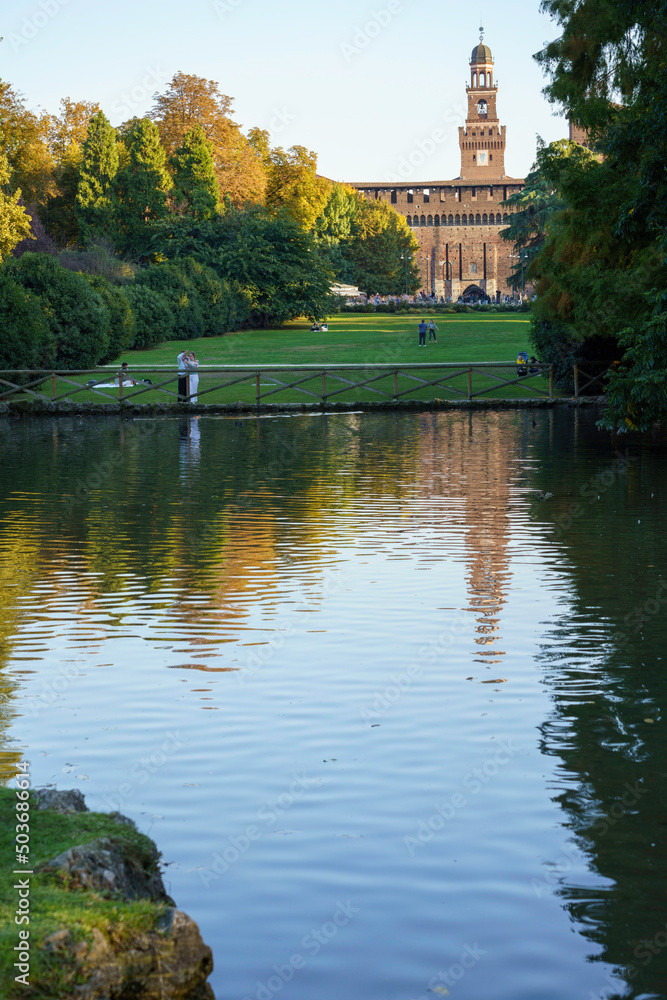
<point>393,196</point>
<point>427,195</point>
<point>473,192</point>
<point>482,109</point>
<point>491,188</point>
<point>410,197</point>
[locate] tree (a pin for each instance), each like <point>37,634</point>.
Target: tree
<point>23,138</point>
<point>121,322</point>
<point>78,319</point>
<point>68,131</point>
<point>140,186</point>
<point>152,317</point>
<point>180,294</point>
<point>192,100</point>
<point>14,220</point>
<point>334,227</point>
<point>24,330</point>
<point>606,53</point>
<point>295,186</point>
<point>94,203</point>
<point>196,190</point>
<point>378,238</point>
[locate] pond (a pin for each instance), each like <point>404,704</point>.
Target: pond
<point>387,690</point>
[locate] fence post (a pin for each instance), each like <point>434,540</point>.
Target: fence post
<point>53,385</point>
<point>396,384</point>
<point>470,383</point>
<point>257,392</point>
<point>324,387</point>
<point>120,386</point>
<point>551,382</point>
<point>576,379</point>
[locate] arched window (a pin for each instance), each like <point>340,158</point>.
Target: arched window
<point>422,221</point>
<point>429,221</point>
<point>437,220</point>
<point>499,219</point>
<point>408,219</point>
<point>506,219</point>
<point>482,108</point>
<point>485,219</point>
<point>464,220</point>
<point>457,221</point>
<point>482,80</point>
<point>450,220</point>
<point>478,219</point>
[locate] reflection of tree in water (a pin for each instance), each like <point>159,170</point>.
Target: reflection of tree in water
<point>605,663</point>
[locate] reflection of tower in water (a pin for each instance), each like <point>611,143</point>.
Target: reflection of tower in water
<point>488,493</point>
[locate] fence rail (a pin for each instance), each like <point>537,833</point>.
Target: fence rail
<point>317,382</point>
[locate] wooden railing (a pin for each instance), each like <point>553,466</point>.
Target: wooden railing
<point>318,382</point>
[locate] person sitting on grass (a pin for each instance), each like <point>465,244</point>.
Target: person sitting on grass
<point>315,328</point>
<point>123,376</point>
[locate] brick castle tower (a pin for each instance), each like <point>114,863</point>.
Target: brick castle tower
<point>458,222</point>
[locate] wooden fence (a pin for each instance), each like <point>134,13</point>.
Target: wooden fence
<point>318,383</point>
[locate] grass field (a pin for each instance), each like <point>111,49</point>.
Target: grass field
<point>352,339</point>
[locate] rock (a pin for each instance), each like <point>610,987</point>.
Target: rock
<point>66,801</point>
<point>106,866</point>
<point>169,963</point>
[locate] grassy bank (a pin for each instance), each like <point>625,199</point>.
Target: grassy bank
<point>352,339</point>
<point>53,907</point>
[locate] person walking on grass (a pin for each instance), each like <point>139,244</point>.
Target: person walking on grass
<point>431,332</point>
<point>422,334</point>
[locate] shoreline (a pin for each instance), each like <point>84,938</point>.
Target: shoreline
<point>43,408</point>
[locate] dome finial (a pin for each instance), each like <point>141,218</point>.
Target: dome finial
<point>481,34</point>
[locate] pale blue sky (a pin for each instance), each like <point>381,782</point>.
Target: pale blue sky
<point>363,84</point>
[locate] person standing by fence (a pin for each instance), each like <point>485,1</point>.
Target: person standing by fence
<point>182,359</point>
<point>193,379</point>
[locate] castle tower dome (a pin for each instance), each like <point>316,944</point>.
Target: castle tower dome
<point>481,65</point>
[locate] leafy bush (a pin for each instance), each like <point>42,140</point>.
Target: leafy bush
<point>78,318</point>
<point>152,317</point>
<point>223,306</point>
<point>121,323</point>
<point>173,284</point>
<point>24,330</point>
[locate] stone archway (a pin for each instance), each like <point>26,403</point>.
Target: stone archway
<point>473,293</point>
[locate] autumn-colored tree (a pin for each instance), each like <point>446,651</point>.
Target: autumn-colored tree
<point>68,130</point>
<point>14,220</point>
<point>195,187</point>
<point>191,100</point>
<point>140,186</point>
<point>23,138</point>
<point>96,176</point>
<point>295,186</point>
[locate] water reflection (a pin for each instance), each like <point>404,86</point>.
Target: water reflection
<point>207,544</point>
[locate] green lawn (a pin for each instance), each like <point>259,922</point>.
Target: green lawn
<point>353,339</point>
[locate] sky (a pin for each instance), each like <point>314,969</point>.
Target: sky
<point>377,90</point>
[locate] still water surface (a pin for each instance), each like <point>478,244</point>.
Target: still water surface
<point>395,722</point>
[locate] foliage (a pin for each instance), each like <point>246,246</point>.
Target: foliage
<point>23,138</point>
<point>94,203</point>
<point>77,317</point>
<point>378,238</point>
<point>191,100</point>
<point>140,186</point>
<point>14,220</point>
<point>24,331</point>
<point>268,258</point>
<point>121,323</point>
<point>152,317</point>
<point>608,52</point>
<point>223,308</point>
<point>179,292</point>
<point>295,187</point>
<point>99,257</point>
<point>195,188</point>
